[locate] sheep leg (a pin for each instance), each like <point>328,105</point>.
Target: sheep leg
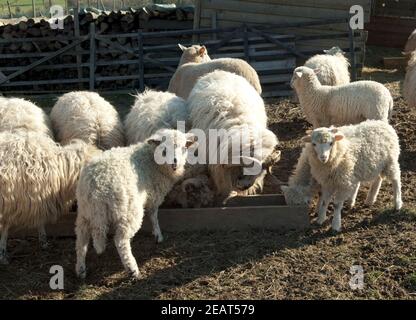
<point>43,239</point>
<point>155,225</point>
<point>323,207</point>
<point>354,196</point>
<point>336,220</point>
<point>397,190</point>
<point>123,246</point>
<point>83,238</point>
<point>373,192</point>
<point>3,246</point>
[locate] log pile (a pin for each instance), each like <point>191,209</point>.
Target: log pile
<point>17,53</point>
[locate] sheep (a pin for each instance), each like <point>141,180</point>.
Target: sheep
<point>20,114</point>
<point>37,181</point>
<point>87,116</point>
<point>187,75</point>
<point>227,102</point>
<point>195,54</point>
<point>411,43</point>
<point>153,110</point>
<point>341,158</point>
<point>115,189</point>
<point>301,186</point>
<point>333,67</point>
<point>340,105</point>
<point>195,192</point>
<point>409,84</point>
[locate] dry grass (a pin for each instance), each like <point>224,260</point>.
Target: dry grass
<point>258,264</point>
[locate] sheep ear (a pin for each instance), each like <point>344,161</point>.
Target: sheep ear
<point>307,139</point>
<point>154,142</point>
<point>339,137</point>
<point>190,140</point>
<point>298,74</point>
<point>202,51</point>
<point>317,71</point>
<point>183,48</point>
<point>309,131</point>
<point>326,51</point>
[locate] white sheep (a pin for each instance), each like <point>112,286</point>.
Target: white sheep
<point>409,84</point>
<point>227,102</point>
<point>411,43</point>
<point>153,110</point>
<point>37,181</point>
<point>187,74</point>
<point>341,158</point>
<point>87,116</point>
<point>195,53</point>
<point>301,186</point>
<point>20,114</point>
<point>340,105</point>
<point>115,189</point>
<point>333,67</point>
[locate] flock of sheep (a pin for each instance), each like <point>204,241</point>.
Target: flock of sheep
<point>83,152</point>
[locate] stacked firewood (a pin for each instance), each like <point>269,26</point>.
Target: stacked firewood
<point>151,18</point>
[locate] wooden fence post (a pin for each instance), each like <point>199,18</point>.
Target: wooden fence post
<point>246,48</point>
<point>92,56</point>
<point>77,35</point>
<point>141,61</point>
<point>352,53</point>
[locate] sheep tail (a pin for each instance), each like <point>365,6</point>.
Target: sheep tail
<point>99,226</point>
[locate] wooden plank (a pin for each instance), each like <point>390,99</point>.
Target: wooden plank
<point>92,56</point>
<point>394,62</point>
<point>274,65</point>
<point>250,11</point>
<point>254,212</point>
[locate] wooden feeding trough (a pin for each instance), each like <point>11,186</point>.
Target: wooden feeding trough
<point>239,213</point>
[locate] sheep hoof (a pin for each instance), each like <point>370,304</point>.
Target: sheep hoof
<point>321,221</point>
<point>159,238</point>
<point>336,228</point>
<point>134,274</point>
<point>398,205</point>
<point>81,273</point>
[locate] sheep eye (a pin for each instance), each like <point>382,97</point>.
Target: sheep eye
<point>314,144</point>
<point>331,143</point>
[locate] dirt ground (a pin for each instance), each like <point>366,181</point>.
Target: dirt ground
<point>258,264</point>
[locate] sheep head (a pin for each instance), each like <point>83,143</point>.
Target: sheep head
<point>323,141</point>
<point>195,53</point>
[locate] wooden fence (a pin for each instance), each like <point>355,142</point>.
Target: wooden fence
<point>148,61</point>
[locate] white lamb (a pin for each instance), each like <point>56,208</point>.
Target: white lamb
<point>117,188</point>
<point>340,105</point>
<point>20,114</point>
<point>187,74</point>
<point>333,67</point>
<point>341,158</point>
<point>227,102</point>
<point>87,116</point>
<point>195,53</point>
<point>37,181</point>
<point>153,110</point>
<point>409,84</point>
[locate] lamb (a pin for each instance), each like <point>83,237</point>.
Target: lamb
<point>115,189</point>
<point>37,181</point>
<point>194,54</point>
<point>333,67</point>
<point>228,103</point>
<point>340,105</point>
<point>411,43</point>
<point>341,158</point>
<point>187,74</point>
<point>20,114</point>
<point>301,186</point>
<point>153,110</point>
<point>409,84</point>
<point>87,116</point>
